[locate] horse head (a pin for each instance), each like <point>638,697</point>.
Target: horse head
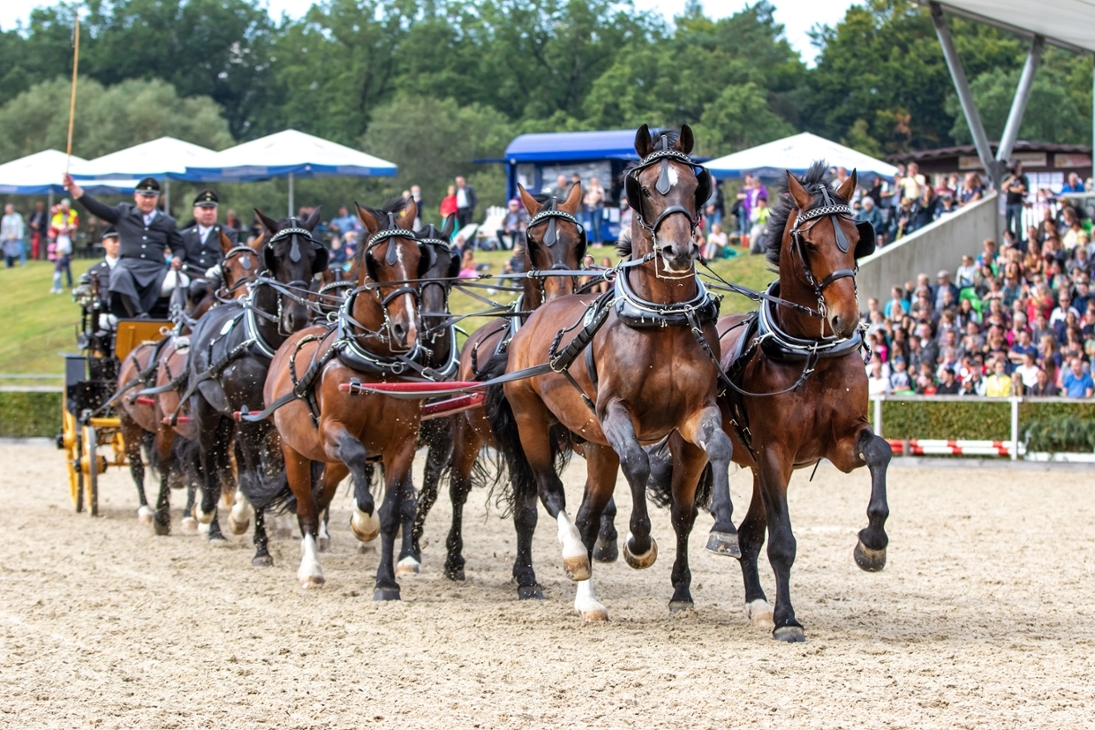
<point>392,258</point>
<point>292,257</point>
<point>818,247</point>
<point>444,267</point>
<point>240,264</point>
<point>667,191</point>
<point>555,240</point>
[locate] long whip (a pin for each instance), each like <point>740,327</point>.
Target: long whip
<point>72,101</point>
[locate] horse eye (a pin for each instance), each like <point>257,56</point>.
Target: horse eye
<point>646,192</point>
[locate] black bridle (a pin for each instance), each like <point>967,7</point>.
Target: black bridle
<point>551,214</point>
<point>663,185</point>
<point>834,212</point>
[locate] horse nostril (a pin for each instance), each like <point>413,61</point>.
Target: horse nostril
<point>399,331</point>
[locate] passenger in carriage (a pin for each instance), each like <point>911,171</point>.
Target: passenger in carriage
<point>201,249</point>
<point>146,234</point>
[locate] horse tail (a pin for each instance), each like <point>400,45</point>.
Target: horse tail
<point>659,486</point>
<point>506,493</point>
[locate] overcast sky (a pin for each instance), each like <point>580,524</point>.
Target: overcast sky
<point>797,16</point>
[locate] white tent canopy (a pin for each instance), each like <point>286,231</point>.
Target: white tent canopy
<point>41,173</point>
<point>796,153</point>
<point>1066,22</point>
<point>161,158</point>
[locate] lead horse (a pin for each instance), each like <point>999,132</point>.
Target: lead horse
<point>797,388</point>
<point>628,369</point>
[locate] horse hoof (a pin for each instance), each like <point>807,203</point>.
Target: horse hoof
<point>759,613</point>
<point>455,573</point>
<point>724,543</point>
<point>386,594</point>
<point>311,581</point>
<point>204,517</point>
<point>323,544</point>
<point>605,551</point>
<point>596,614</point>
<point>577,568</point>
<point>406,566</point>
<point>789,634</point>
<point>145,515</point>
<point>262,561</point>
<point>366,549</point>
<point>161,528</point>
<point>365,527</point>
<point>218,540</point>
<point>679,606</point>
<point>238,527</point>
<point>189,525</point>
<point>530,593</point>
<point>869,560</point>
<point>638,562</point>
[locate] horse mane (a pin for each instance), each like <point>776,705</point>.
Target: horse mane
<point>818,174</point>
<point>623,248</point>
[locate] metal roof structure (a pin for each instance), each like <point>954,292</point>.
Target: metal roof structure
<point>1066,23</point>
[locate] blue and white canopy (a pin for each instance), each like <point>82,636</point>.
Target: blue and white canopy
<point>288,153</point>
<point>41,173</point>
<point>796,154</point>
<point>161,158</point>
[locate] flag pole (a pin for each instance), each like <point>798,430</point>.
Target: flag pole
<point>72,100</point>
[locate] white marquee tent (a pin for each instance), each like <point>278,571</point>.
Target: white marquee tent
<point>796,153</point>
<point>41,173</point>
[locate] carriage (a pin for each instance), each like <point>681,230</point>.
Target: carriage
<point>91,435</point>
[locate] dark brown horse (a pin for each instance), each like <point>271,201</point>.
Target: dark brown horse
<point>799,388</point>
<point>376,337</point>
<point>555,241</point>
<point>651,374</point>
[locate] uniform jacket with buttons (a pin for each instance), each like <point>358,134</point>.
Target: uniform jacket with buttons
<point>200,256</point>
<point>138,241</point>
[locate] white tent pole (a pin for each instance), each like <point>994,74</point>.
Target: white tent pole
<point>1019,103</point>
<point>290,195</point>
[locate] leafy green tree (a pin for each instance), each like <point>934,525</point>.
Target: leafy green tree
<point>107,120</point>
<point>740,117</point>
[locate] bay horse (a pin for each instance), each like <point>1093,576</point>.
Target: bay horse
<point>230,353</point>
<point>376,339</point>
<point>798,390</point>
<point>627,369</point>
<point>141,416</point>
<point>555,241</point>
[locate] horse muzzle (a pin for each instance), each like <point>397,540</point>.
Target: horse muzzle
<point>679,259</point>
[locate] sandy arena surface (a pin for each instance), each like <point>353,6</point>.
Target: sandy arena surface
<point>981,619</point>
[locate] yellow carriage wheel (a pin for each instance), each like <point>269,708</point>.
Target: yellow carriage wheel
<point>72,444</point>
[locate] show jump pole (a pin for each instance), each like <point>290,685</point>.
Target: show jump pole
<point>72,100</point>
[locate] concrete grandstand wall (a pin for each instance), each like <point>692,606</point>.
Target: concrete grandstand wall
<point>936,246</point>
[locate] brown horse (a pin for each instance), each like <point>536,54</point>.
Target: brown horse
<point>798,389</point>
<point>158,364</point>
<point>651,374</point>
<point>374,341</point>
<point>555,241</point>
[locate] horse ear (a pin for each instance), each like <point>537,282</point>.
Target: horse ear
<point>530,202</point>
<point>260,240</point>
<point>449,227</point>
<point>803,200</point>
<point>847,190</point>
<point>313,219</point>
<point>574,199</point>
<point>327,276</point>
<point>268,223</point>
<point>366,219</point>
<point>409,214</point>
<point>226,242</point>
<point>685,140</point>
<point>643,144</point>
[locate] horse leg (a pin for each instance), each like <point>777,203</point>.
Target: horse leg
<point>440,442</point>
<point>298,470</point>
<point>751,539</point>
<point>602,465</point>
<point>606,551</point>
<point>775,471</point>
<point>397,473</point>
<point>709,436</point>
<point>342,446</point>
<point>166,463</point>
<point>408,509</point>
<point>465,450</point>
<point>640,548</point>
<point>870,551</point>
<point>214,438</point>
<point>690,461</point>
<point>324,541</point>
<point>133,435</point>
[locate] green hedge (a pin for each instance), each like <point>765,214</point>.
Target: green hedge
<point>911,419</point>
<point>30,414</point>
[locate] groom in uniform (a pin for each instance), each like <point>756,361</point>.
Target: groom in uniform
<point>145,234</point>
<point>201,241</point>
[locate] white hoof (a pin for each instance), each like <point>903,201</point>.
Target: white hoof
<point>204,517</point>
<point>587,605</point>
<point>759,613</point>
<point>145,514</point>
<point>575,556</point>
<point>203,528</point>
<point>239,519</point>
<point>190,525</point>
<point>310,573</point>
<point>365,527</point>
<point>639,562</point>
<point>406,566</point>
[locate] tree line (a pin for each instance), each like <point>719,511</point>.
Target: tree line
<point>434,84</point>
